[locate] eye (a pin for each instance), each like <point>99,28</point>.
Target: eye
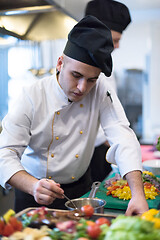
<point>93,80</point>
<point>76,75</point>
<point>116,41</point>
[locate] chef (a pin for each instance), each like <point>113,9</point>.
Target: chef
<point>48,137</point>
<point>116,16</point>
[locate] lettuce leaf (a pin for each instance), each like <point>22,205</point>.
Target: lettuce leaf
<point>131,228</point>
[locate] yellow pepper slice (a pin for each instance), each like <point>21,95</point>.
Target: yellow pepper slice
<point>8,214</point>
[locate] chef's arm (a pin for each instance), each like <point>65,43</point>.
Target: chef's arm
<point>44,191</point>
<point>138,203</point>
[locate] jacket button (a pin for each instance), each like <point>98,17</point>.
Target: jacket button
<point>57,138</point>
<point>52,155</point>
<point>73,178</point>
<point>81,105</point>
<point>49,177</point>
<point>58,113</point>
<point>81,132</point>
<point>77,156</point>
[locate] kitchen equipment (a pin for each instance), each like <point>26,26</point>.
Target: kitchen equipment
<point>94,189</point>
<point>97,204</point>
<point>73,204</point>
<point>152,165</point>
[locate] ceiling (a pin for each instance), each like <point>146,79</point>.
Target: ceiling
<point>50,19</point>
<point>34,19</point>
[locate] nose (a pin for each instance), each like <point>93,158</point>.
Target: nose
<point>82,85</point>
<point>116,45</point>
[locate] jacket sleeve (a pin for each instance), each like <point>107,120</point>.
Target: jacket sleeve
<point>14,137</point>
<point>125,149</point>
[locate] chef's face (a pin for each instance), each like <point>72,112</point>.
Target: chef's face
<point>116,37</point>
<point>76,78</point>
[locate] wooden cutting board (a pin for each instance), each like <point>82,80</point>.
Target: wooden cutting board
<point>116,203</point>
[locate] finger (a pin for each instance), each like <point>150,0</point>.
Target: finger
<point>131,212</point>
<point>53,188</point>
<point>51,180</point>
<point>47,197</point>
<point>48,192</point>
<point>44,199</point>
<point>44,196</point>
<point>128,212</point>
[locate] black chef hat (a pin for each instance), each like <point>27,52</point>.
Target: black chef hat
<point>112,13</point>
<point>90,42</point>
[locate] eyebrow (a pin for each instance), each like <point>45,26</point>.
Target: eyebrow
<point>96,77</point>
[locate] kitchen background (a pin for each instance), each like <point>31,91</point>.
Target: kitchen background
<point>33,34</point>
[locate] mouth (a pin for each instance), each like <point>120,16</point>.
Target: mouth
<point>78,94</point>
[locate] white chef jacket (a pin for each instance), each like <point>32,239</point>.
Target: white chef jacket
<point>101,137</point>
<point>49,136</point>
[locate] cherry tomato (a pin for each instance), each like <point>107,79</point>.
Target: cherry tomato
<point>17,225</point>
<point>1,226</point>
<point>93,231</point>
<point>103,220</point>
<point>88,210</point>
<point>8,230</point>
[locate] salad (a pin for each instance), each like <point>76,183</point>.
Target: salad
<point>119,188</point>
<point>144,227</point>
<point>132,228</point>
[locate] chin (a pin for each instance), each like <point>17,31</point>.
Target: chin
<point>74,99</point>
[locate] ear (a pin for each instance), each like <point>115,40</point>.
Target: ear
<point>59,63</point>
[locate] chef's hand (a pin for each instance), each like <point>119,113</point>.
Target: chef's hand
<point>137,206</point>
<point>46,191</point>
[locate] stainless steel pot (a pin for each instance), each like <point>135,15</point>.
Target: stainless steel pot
<point>96,203</point>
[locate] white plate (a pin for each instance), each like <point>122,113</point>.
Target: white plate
<point>157,154</point>
<point>152,165</point>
